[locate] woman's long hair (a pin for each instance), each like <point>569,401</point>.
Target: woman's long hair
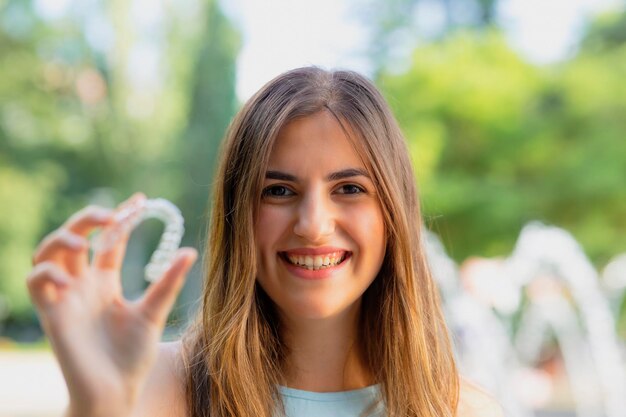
<point>233,352</point>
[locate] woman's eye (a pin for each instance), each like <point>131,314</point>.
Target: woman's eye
<point>277,191</point>
<point>350,189</point>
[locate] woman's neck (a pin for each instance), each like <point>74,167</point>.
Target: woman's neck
<point>324,354</point>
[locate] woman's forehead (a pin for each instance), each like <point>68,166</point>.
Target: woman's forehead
<point>318,137</point>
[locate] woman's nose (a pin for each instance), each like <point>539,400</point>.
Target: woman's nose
<point>315,219</point>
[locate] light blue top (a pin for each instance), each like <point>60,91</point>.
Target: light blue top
<point>299,403</point>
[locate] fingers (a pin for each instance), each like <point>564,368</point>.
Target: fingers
<point>68,246</point>
<point>55,244</point>
<point>161,295</point>
<point>45,282</point>
<point>113,257</point>
<point>82,223</point>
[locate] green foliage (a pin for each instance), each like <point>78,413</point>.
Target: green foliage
<point>31,196</point>
<point>212,104</point>
<point>394,25</point>
<point>498,142</point>
<point>76,128</point>
<point>606,32</point>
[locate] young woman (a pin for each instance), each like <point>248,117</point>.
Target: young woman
<point>318,300</point>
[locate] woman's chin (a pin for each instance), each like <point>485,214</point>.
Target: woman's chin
<point>310,310</point>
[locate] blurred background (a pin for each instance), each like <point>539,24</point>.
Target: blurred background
<point>514,111</point>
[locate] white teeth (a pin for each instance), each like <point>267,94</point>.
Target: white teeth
<point>316,262</point>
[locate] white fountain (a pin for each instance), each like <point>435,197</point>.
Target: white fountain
<point>504,312</point>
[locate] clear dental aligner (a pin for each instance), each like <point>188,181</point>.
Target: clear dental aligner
<point>128,217</point>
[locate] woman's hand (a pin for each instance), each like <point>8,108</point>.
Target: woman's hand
<point>105,344</point>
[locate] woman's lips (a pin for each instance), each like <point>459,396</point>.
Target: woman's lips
<point>322,250</point>
<point>319,266</point>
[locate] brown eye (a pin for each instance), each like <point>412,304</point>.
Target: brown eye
<point>350,189</point>
<point>277,191</point>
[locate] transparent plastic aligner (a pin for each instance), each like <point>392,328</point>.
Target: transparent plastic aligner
<point>128,217</point>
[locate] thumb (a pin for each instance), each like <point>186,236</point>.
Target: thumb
<point>161,295</point>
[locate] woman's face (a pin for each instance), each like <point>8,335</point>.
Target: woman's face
<point>320,234</point>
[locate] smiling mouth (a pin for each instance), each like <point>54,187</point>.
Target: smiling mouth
<point>318,262</point>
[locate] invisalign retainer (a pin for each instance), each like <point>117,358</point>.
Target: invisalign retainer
<point>129,216</point>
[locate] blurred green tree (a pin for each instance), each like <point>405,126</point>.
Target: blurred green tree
<point>397,25</point>
<point>82,121</point>
<point>608,31</point>
<point>498,142</point>
<point>212,104</point>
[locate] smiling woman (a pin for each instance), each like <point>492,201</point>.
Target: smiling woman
<point>318,299</point>
<point>315,172</point>
<point>320,241</point>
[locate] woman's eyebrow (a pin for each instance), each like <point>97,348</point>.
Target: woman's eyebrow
<point>347,173</point>
<point>278,175</point>
<point>333,176</point>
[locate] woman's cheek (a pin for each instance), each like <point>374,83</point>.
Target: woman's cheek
<point>367,219</point>
<point>271,224</point>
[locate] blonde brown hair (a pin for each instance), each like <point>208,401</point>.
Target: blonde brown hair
<point>233,351</point>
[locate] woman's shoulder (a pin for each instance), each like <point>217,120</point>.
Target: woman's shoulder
<point>164,393</point>
<point>474,401</point>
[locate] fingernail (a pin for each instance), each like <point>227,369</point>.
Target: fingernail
<point>191,253</point>
<point>102,215</point>
<point>76,242</point>
<point>60,279</point>
<point>137,196</point>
